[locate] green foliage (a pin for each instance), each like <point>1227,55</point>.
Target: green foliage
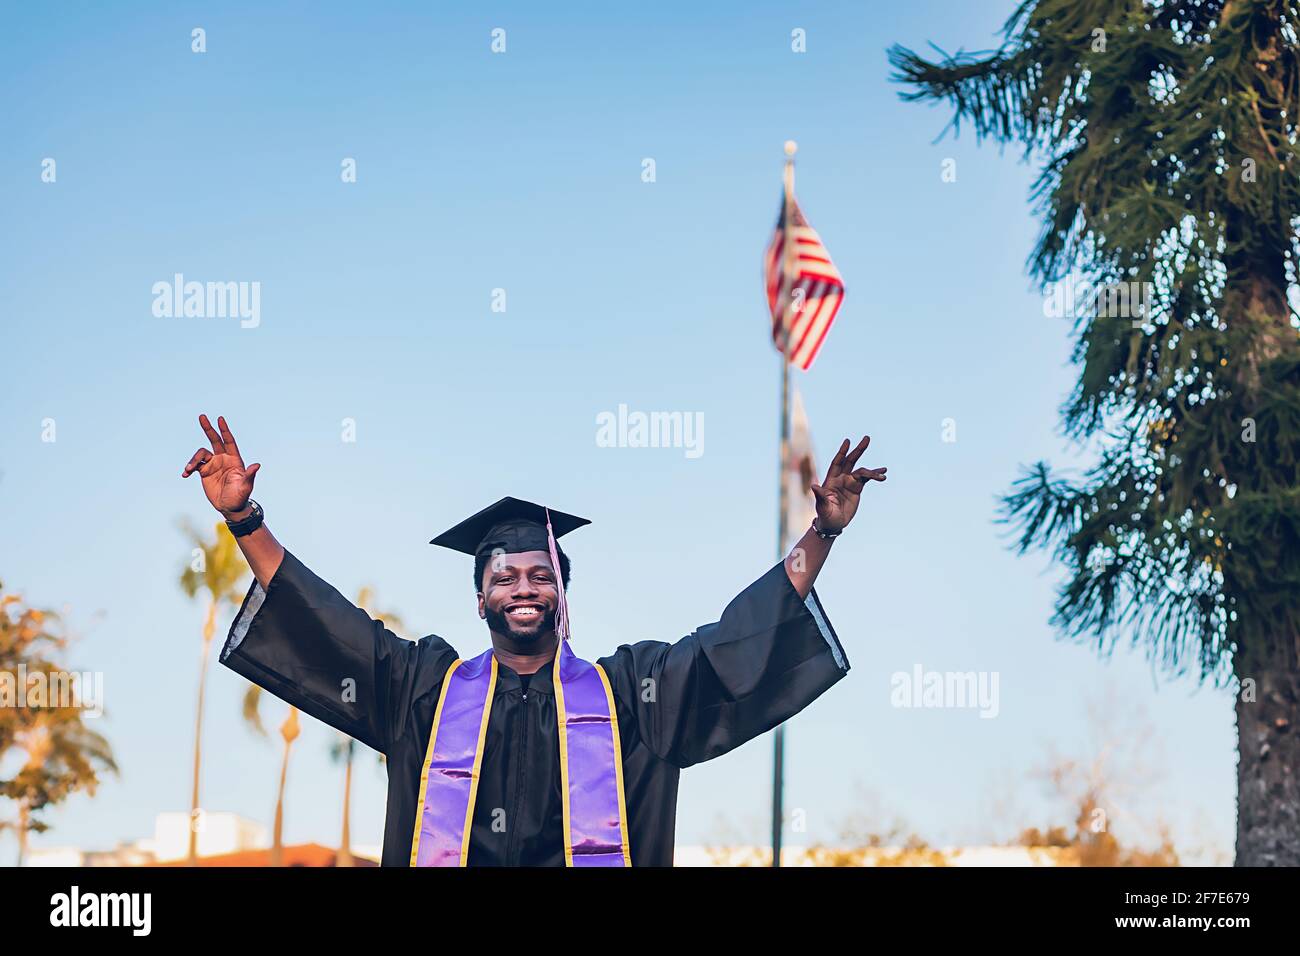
<point>58,754</point>
<point>1165,135</point>
<point>250,709</point>
<point>220,569</point>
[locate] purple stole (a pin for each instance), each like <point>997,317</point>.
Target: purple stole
<point>591,764</point>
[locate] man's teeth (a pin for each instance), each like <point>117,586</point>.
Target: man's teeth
<point>524,611</point>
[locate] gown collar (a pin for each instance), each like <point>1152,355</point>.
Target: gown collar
<point>542,682</point>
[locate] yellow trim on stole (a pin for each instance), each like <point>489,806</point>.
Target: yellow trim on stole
<point>561,719</point>
<point>475,774</point>
<point>428,758</point>
<point>618,766</point>
<point>564,763</point>
<point>478,764</point>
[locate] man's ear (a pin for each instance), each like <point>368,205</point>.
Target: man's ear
<point>482,606</point>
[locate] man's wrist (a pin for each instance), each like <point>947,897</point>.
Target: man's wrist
<point>823,533</point>
<point>239,515</point>
<point>249,523</point>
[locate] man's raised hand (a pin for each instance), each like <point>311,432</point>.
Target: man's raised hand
<point>226,482</point>
<point>839,493</point>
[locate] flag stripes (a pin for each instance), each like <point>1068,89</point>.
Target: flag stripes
<point>804,289</point>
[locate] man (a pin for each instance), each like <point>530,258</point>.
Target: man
<point>528,755</point>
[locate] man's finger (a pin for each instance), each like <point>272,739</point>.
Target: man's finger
<point>852,460</point>
<point>198,458</point>
<point>208,468</point>
<point>218,446</point>
<point>836,462</point>
<point>227,438</point>
<point>870,474</point>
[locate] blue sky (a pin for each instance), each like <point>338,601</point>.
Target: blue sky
<point>522,171</point>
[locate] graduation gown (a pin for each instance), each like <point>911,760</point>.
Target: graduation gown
<point>767,657</point>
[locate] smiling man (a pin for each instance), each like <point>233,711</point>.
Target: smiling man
<point>528,755</point>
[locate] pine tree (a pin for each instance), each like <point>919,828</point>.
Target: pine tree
<point>1164,134</point>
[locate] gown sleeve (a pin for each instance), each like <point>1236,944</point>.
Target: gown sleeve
<point>304,642</point>
<point>768,657</point>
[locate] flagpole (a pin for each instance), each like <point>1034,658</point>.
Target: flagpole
<point>782,531</point>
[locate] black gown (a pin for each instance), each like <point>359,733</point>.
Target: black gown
<point>769,656</point>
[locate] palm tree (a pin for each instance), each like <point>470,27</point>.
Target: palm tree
<point>1168,143</point>
<point>217,568</point>
<point>343,750</point>
<point>289,732</point>
<point>61,754</point>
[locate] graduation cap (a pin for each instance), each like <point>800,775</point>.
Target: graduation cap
<point>513,525</point>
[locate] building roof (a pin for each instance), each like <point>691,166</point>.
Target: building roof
<point>302,854</point>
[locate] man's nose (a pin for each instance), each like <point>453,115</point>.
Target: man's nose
<point>524,588</point>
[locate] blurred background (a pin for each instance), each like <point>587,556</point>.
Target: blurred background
<point>463,259</point>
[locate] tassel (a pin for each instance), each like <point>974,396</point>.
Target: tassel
<point>562,613</point>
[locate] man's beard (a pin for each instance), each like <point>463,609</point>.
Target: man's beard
<point>499,623</point>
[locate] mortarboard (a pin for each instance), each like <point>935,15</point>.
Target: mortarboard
<point>512,526</point>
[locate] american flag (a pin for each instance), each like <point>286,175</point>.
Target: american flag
<point>804,289</point>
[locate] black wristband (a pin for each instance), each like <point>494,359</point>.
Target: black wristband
<point>246,526</point>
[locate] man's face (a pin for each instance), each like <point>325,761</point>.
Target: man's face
<point>520,596</point>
